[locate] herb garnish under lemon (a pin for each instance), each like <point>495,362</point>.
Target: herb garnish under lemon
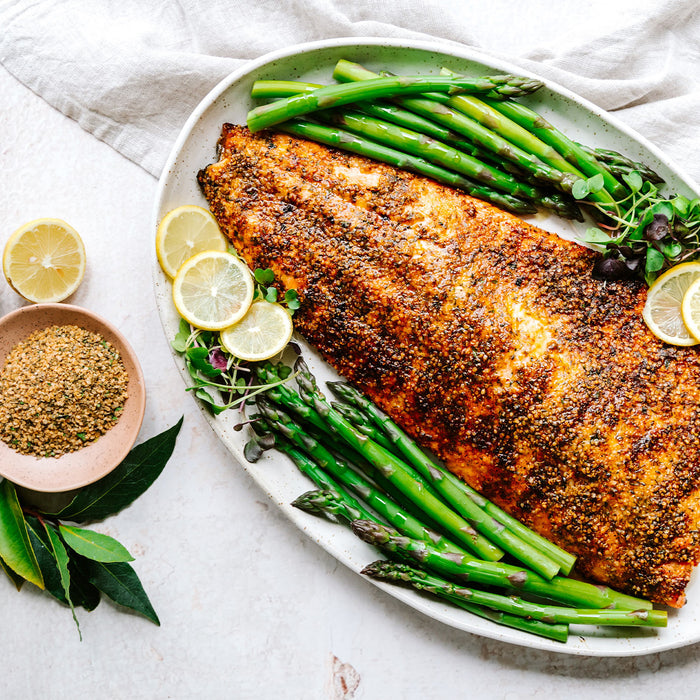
<point>229,316</point>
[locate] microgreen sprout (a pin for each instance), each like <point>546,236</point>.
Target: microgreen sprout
<point>220,380</point>
<point>646,233</point>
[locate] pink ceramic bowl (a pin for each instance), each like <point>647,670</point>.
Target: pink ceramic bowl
<point>92,462</point>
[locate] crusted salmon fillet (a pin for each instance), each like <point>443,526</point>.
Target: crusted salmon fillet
<point>487,340</point>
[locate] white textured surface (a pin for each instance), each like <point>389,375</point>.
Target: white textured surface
<point>250,608</point>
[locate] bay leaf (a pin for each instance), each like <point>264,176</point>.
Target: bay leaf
<point>17,580</point>
<point>94,545</point>
<point>15,548</point>
<point>119,581</point>
<point>45,558</point>
<point>126,483</point>
<point>61,556</point>
<point>82,592</point>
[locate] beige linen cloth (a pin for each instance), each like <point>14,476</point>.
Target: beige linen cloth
<point>130,71</point>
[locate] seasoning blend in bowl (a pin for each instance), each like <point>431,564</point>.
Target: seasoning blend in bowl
<point>60,389</point>
<point>72,397</point>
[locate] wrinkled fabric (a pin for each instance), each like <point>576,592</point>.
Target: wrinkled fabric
<point>131,72</point>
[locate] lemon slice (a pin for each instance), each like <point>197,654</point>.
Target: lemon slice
<point>184,232</point>
<point>44,260</point>
<point>262,333</point>
<point>213,290</point>
<point>663,309</point>
<point>690,309</point>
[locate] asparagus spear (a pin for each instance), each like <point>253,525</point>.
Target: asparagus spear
<point>384,506</point>
<point>393,468</point>
<point>268,115</point>
<point>324,502</point>
<point>487,114</point>
<point>548,133</point>
<point>316,473</point>
<point>422,580</point>
<point>468,569</point>
<point>433,126</point>
<point>330,502</point>
<point>345,70</point>
<point>619,164</point>
<point>431,150</point>
<point>322,479</point>
<point>558,632</point>
<point>478,110</point>
<point>282,88</point>
<point>446,156</point>
<point>332,136</point>
<point>354,415</point>
<point>391,113</point>
<point>489,133</point>
<point>459,494</point>
<point>283,396</point>
<point>381,110</point>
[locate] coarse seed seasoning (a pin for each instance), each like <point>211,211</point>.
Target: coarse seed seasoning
<point>60,389</point>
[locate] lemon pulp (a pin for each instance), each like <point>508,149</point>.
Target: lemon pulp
<point>213,290</point>
<point>184,232</point>
<point>44,260</point>
<point>262,333</point>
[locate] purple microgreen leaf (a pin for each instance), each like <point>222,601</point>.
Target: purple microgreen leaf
<point>217,359</point>
<point>658,228</point>
<point>609,269</point>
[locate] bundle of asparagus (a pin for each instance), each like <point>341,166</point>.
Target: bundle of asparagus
<point>468,133</point>
<point>438,533</point>
<point>473,134</point>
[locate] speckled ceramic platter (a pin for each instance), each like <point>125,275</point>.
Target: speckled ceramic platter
<point>196,148</point>
<point>90,463</point>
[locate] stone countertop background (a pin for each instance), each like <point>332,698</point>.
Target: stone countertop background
<point>249,606</point>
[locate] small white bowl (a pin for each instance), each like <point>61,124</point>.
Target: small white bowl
<point>90,463</point>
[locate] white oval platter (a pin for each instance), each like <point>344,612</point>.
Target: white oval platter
<point>196,148</point>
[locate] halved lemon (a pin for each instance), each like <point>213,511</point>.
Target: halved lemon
<point>663,309</point>
<point>262,333</point>
<point>44,260</point>
<point>212,290</point>
<point>184,232</point>
<point>690,309</point>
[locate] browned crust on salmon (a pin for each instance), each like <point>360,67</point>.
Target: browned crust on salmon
<point>488,340</point>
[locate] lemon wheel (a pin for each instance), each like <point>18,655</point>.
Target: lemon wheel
<point>212,290</point>
<point>44,260</point>
<point>184,232</point>
<point>690,309</point>
<point>663,308</point>
<point>262,333</point>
